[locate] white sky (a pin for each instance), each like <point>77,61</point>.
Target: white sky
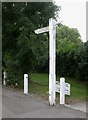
<point>73,14</point>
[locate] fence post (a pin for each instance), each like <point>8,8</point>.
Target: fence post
<point>62,91</point>
<point>25,83</point>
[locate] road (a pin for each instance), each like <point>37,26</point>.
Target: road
<point>17,105</point>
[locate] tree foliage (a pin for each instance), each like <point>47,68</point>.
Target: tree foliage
<point>23,51</point>
<point>68,47</point>
<point>83,64</point>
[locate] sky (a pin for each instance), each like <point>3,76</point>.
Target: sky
<point>73,14</point>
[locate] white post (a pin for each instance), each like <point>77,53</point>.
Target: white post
<point>52,53</point>
<point>52,57</point>
<point>62,91</point>
<point>25,83</point>
<point>4,80</point>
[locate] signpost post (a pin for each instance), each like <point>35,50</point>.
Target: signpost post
<point>52,61</point>
<point>52,57</point>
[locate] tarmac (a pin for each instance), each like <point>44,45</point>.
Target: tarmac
<point>17,105</point>
<point>78,106</point>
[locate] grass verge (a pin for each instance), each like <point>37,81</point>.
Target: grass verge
<point>39,86</point>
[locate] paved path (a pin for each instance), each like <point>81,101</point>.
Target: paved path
<point>18,105</point>
<point>78,106</point>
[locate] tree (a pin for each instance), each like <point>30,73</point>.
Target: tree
<point>21,47</point>
<point>68,47</point>
<point>83,64</point>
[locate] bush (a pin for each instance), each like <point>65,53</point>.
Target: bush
<point>82,72</point>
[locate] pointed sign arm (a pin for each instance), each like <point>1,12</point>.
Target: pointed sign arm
<point>42,30</point>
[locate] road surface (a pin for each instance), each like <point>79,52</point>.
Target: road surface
<point>17,105</point>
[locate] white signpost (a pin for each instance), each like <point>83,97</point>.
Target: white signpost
<point>52,57</point>
<point>62,88</point>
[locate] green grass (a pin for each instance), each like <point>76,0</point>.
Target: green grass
<point>40,89</point>
<point>39,86</point>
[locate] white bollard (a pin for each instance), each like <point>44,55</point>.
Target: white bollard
<point>62,91</point>
<point>25,83</point>
<point>4,80</point>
